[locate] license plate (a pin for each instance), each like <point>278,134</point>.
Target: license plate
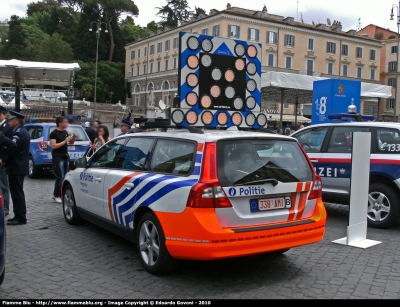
<point>71,147</point>
<point>76,155</point>
<point>267,204</point>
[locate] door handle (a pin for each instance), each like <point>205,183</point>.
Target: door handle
<point>314,161</point>
<point>129,185</point>
<point>98,180</point>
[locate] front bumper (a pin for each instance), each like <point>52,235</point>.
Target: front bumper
<point>196,234</point>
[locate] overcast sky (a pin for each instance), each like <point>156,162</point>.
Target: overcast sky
<point>346,11</point>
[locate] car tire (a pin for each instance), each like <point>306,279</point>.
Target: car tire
<point>70,210</point>
<point>2,276</point>
<point>34,170</point>
<point>383,206</point>
<point>150,239</point>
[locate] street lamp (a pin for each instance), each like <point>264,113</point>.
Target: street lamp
<point>397,63</point>
<point>98,29</point>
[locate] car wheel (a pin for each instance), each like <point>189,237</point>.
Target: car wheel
<point>151,247</point>
<point>2,276</point>
<point>383,206</point>
<point>34,170</point>
<point>71,214</point>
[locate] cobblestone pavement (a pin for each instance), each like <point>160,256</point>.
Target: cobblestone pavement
<point>47,258</point>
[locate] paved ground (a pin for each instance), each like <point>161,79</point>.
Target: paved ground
<point>47,258</point>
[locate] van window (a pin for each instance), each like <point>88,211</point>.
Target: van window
<point>388,141</point>
<point>342,139</point>
<point>312,139</point>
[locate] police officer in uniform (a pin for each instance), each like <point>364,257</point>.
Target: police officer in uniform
<point>17,166</point>
<point>125,126</point>
<point>4,128</point>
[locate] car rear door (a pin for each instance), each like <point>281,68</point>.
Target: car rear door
<point>79,148</point>
<point>266,180</point>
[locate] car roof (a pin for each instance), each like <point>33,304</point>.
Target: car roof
<point>209,136</point>
<point>50,124</point>
<point>360,124</point>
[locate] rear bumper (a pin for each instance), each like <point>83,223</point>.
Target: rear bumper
<point>195,234</point>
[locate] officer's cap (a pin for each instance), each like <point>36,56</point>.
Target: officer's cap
<point>3,109</point>
<point>14,114</point>
<point>125,122</point>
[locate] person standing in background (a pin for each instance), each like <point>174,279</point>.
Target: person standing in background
<point>4,128</point>
<point>279,131</point>
<point>91,131</point>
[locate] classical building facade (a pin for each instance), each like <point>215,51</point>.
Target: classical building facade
<point>288,46</point>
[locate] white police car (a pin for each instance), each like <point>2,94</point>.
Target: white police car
<point>329,148</point>
<point>199,196</point>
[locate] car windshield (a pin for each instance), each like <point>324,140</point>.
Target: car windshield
<point>80,133</point>
<point>243,162</point>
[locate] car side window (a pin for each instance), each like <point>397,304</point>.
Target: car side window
<point>107,156</point>
<point>341,139</point>
<point>135,154</point>
<point>173,157</point>
<point>312,139</point>
<point>387,141</point>
<point>31,131</point>
<point>39,132</point>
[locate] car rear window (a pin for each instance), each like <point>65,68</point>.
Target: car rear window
<point>80,133</point>
<point>244,161</point>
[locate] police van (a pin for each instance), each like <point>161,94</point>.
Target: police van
<point>329,148</point>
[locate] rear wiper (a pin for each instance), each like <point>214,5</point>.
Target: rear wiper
<point>274,182</point>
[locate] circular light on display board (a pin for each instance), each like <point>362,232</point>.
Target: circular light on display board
<point>192,80</point>
<point>251,102</point>
<point>216,74</point>
<point>239,64</point>
<point>205,101</point>
<point>178,116</point>
<point>206,60</point>
<point>207,45</point>
<point>215,91</point>
<point>251,69</point>
<point>191,117</point>
<point>240,50</point>
<point>192,62</point>
<point>222,119</point>
<point>229,92</point>
<point>193,43</point>
<point>207,118</point>
<point>237,119</point>
<point>238,103</point>
<point>250,119</point>
<point>251,85</point>
<point>261,119</point>
<point>191,99</point>
<point>229,75</point>
<point>252,51</point>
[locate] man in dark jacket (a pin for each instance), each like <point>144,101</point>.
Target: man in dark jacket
<point>4,128</point>
<point>91,131</point>
<point>17,166</point>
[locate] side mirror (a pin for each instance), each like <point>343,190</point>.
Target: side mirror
<point>81,163</point>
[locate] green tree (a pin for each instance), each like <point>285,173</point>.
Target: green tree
<point>16,45</point>
<point>54,49</point>
<point>41,6</point>
<point>152,26</point>
<point>131,32</point>
<point>173,13</point>
<point>34,37</point>
<point>199,11</point>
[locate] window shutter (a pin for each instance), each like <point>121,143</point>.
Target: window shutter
<point>229,31</point>
<point>257,35</point>
<point>268,36</point>
<point>249,34</point>
<point>237,32</point>
<point>286,39</point>
<point>217,30</point>
<point>334,48</point>
<point>327,47</point>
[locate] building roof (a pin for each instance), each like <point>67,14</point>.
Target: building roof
<point>378,28</point>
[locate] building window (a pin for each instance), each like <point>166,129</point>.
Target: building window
<point>372,55</point>
<point>159,47</point>
<point>392,66</point>
<point>204,31</point>
<point>345,50</point>
<point>310,67</point>
<point>345,70</point>
<point>372,74</point>
<point>145,51</point>
<point>137,88</point>
<point>151,49</point>
<point>331,47</point>
<point>254,34</point>
<point>394,49</point>
<point>138,70</point>
<point>310,45</point>
<point>215,31</point>
<point>271,60</point>
<point>359,53</point>
<point>158,66</point>
<point>389,103</point>
<point>272,37</point>
<point>165,86</point>
<point>132,54</point>
<point>286,106</point>
<point>288,62</point>
<point>175,43</point>
<point>330,68</point>
<point>234,31</point>
<point>166,64</point>
<point>289,40</point>
<point>359,72</point>
<point>150,87</point>
<point>175,63</point>
<point>145,69</point>
<point>167,44</point>
<point>151,67</point>
<point>137,101</point>
<point>131,72</point>
<point>392,82</point>
<point>138,54</point>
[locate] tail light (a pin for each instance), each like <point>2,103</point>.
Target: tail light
<point>42,146</point>
<point>316,190</point>
<point>208,193</point>
<point>1,200</point>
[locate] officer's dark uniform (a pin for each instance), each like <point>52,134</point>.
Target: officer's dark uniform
<point>7,146</point>
<point>17,167</point>
<point>5,129</point>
